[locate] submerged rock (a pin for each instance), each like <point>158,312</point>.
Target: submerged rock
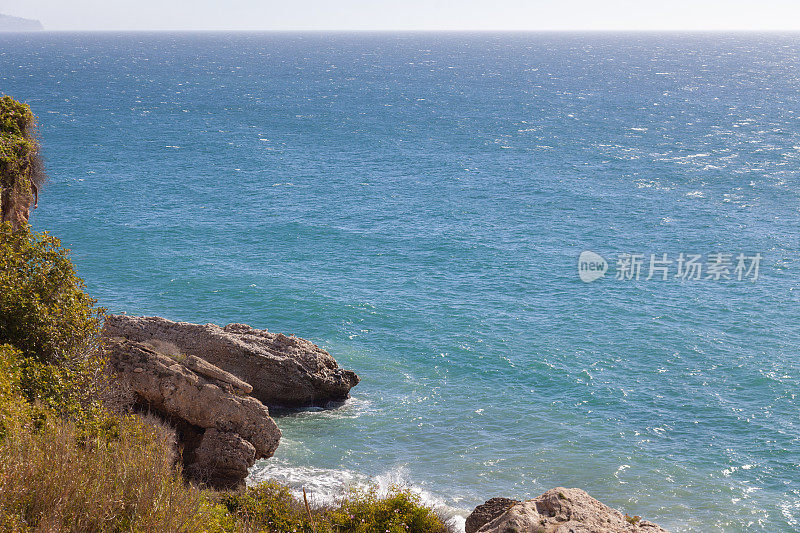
<point>558,510</point>
<point>283,371</point>
<point>220,431</point>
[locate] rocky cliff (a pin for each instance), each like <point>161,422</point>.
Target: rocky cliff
<point>209,383</point>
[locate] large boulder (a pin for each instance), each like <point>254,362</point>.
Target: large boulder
<point>221,431</point>
<point>224,457</point>
<point>558,510</point>
<point>283,371</point>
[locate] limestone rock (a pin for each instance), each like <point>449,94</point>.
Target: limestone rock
<point>487,512</point>
<point>285,371</point>
<point>558,510</point>
<point>211,419</point>
<point>222,457</point>
<point>207,369</point>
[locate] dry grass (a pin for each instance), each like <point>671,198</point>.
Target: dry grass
<point>57,478</point>
<point>166,348</point>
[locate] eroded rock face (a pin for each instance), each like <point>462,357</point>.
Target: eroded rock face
<point>558,510</point>
<point>486,512</point>
<point>283,371</point>
<point>225,457</point>
<point>221,431</point>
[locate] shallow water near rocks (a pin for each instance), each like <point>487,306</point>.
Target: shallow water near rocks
<point>416,204</point>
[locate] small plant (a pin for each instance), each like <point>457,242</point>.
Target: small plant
<point>269,505</point>
<point>166,348</point>
<point>401,510</point>
<point>633,519</point>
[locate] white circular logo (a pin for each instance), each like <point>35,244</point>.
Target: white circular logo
<point>591,266</point>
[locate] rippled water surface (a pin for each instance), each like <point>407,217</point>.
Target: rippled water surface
<point>416,204</point>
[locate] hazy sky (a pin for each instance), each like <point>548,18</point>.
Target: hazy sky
<point>410,14</point>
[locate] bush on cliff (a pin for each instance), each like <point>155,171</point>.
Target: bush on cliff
<point>18,146</point>
<point>46,315</point>
<point>21,169</point>
<point>272,507</point>
<point>44,310</point>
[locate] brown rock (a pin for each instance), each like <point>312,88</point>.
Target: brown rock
<point>222,459</point>
<point>487,512</point>
<point>287,371</point>
<point>210,418</point>
<point>562,510</point>
<point>207,369</point>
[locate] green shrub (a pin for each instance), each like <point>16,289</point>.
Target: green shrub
<point>268,507</point>
<point>44,311</point>
<point>18,145</point>
<point>13,408</point>
<point>46,315</point>
<point>21,168</point>
<point>271,507</point>
<point>400,511</point>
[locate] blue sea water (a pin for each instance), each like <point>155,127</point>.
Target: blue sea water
<point>416,204</point>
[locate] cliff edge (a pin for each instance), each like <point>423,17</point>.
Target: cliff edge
<point>21,170</point>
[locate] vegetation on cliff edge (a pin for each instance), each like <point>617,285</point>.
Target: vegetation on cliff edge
<point>21,168</point>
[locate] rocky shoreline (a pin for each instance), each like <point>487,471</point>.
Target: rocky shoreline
<point>558,510</point>
<point>213,386</point>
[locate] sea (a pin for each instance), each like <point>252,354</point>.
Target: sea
<point>417,204</point>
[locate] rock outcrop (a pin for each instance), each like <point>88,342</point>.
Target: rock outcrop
<point>486,512</point>
<point>558,510</point>
<point>221,431</point>
<point>283,371</point>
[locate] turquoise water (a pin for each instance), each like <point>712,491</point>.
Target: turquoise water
<point>417,203</point>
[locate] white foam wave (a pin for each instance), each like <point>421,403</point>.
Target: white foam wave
<point>353,407</point>
<point>324,486</point>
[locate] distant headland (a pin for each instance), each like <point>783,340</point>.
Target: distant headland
<point>9,23</point>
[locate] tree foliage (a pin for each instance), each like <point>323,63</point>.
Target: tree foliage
<point>46,315</point>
